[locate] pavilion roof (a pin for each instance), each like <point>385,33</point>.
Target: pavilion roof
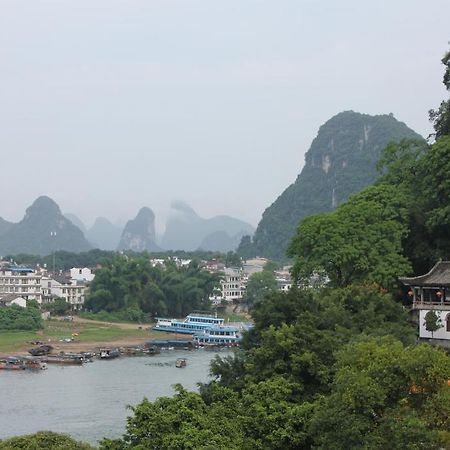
<point>438,276</point>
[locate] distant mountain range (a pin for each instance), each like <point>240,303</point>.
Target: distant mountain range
<point>139,234</point>
<point>185,230</point>
<point>42,230</point>
<point>45,229</point>
<point>341,161</point>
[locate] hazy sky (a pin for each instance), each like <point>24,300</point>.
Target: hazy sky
<point>108,106</point>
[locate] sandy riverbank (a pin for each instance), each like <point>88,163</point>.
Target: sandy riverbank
<point>77,345</point>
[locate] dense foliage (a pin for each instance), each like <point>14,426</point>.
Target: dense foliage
<point>66,260</point>
<point>341,161</point>
<point>317,371</point>
<point>47,440</point>
<point>360,241</point>
<point>132,284</point>
<point>259,284</point>
<point>15,317</point>
<point>59,306</point>
<point>62,260</point>
<point>441,116</point>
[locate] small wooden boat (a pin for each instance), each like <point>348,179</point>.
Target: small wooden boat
<point>34,363</point>
<point>41,350</point>
<point>74,359</point>
<point>108,353</point>
<point>181,362</point>
<point>12,363</point>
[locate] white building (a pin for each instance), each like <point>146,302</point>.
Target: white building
<point>255,265</point>
<point>58,286</point>
<point>21,281</point>
<point>82,274</point>
<point>232,285</point>
<point>431,292</point>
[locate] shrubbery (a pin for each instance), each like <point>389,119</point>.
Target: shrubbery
<point>15,317</point>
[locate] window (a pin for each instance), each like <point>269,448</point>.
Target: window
<point>448,322</point>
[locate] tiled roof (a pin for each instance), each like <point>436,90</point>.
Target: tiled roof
<point>61,279</point>
<point>438,276</point>
<point>6,298</point>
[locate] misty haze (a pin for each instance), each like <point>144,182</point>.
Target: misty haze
<point>225,225</point>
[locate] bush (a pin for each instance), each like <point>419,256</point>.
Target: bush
<point>43,440</point>
<point>15,317</point>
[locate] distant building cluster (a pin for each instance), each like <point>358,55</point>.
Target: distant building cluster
<point>18,285</point>
<point>235,279</point>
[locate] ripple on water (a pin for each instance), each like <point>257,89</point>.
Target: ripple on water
<point>90,402</point>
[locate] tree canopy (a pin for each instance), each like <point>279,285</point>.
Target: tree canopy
<point>126,283</point>
<point>360,241</point>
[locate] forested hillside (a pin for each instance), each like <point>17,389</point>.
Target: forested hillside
<point>341,160</point>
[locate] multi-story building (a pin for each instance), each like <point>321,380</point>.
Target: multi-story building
<point>59,286</point>
<point>21,281</point>
<point>232,285</point>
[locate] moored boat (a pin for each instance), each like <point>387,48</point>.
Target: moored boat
<point>34,363</point>
<point>171,344</point>
<point>226,336</point>
<point>12,363</point>
<point>64,358</point>
<point>108,353</point>
<point>193,323</point>
<point>44,349</point>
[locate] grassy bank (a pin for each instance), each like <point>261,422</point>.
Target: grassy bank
<point>54,330</point>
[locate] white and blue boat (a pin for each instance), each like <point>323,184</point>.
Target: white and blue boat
<point>222,336</point>
<point>193,323</point>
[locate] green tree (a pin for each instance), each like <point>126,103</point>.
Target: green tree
<point>126,283</point>
<point>260,284</point>
<point>15,317</point>
<point>360,242</point>
<point>59,306</point>
<point>432,322</point>
<point>232,259</point>
<point>184,421</point>
<point>381,398</point>
<point>441,117</point>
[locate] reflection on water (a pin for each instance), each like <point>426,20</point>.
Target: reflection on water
<point>89,402</point>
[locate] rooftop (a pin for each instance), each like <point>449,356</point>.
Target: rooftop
<point>438,276</point>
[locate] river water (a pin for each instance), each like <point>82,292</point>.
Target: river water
<point>89,402</point>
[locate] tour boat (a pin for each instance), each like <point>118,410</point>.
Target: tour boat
<point>193,323</point>
<point>225,336</point>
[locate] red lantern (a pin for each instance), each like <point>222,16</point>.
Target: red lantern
<point>410,293</point>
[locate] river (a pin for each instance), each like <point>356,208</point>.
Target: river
<point>89,402</point>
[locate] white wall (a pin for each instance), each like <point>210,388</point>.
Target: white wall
<point>442,333</point>
<point>81,274</point>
